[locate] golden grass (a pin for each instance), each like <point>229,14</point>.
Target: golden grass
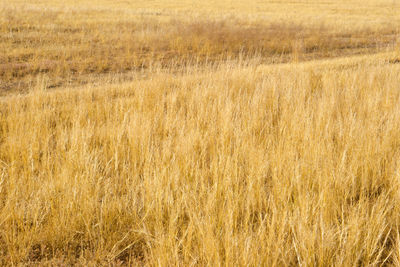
<point>68,44</point>
<point>184,147</point>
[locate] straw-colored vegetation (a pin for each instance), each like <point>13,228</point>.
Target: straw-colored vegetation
<point>203,133</point>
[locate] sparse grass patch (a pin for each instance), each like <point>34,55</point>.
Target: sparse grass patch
<point>68,46</point>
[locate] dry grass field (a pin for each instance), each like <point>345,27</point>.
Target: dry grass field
<point>200,133</point>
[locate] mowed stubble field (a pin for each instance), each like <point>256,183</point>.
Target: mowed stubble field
<point>161,133</point>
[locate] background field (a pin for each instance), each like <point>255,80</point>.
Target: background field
<point>200,133</point>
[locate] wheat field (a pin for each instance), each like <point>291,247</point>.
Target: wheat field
<point>200,133</point>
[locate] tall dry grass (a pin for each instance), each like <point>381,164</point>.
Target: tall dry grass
<point>165,133</point>
<point>242,166</point>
